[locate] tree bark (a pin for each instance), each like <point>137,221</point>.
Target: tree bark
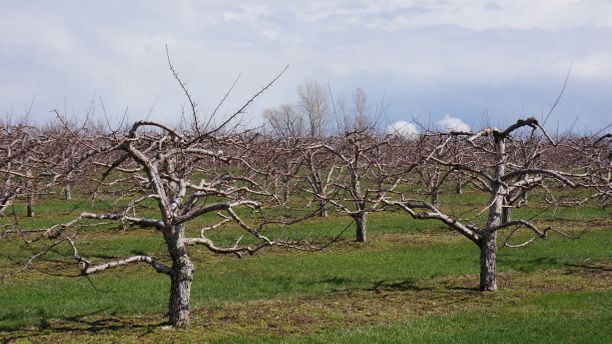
<point>488,242</point>
<point>506,215</point>
<point>488,257</point>
<point>434,187</point>
<point>458,185</point>
<point>180,293</point>
<point>435,198</point>
<point>5,202</point>
<point>180,281</point>
<point>360,227</point>
<point>322,210</point>
<point>5,199</point>
<point>285,192</point>
<point>30,195</point>
<point>67,193</point>
<point>30,212</point>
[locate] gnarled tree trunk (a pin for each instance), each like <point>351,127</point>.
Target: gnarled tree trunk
<point>488,242</point>
<point>180,293</point>
<point>361,234</point>
<point>488,256</point>
<point>180,281</point>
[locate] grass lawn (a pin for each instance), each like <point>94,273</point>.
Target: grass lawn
<point>413,282</point>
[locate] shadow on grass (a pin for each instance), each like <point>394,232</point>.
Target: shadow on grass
<point>577,268</point>
<point>521,264</point>
<point>411,285</point>
<point>545,263</point>
<point>337,280</point>
<point>337,283</point>
<point>87,323</point>
<point>343,284</point>
<point>407,284</point>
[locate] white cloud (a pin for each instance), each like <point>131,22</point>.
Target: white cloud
<point>402,128</point>
<point>439,56</point>
<point>449,123</point>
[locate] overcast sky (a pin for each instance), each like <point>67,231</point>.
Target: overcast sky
<point>430,60</point>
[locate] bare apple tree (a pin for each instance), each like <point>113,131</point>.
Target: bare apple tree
<point>187,173</point>
<point>286,121</point>
<point>356,172</point>
<point>24,155</point>
<point>14,147</point>
<point>497,162</point>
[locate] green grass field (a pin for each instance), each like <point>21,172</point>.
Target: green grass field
<point>415,281</point>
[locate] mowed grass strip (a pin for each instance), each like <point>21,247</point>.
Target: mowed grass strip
<point>553,318</point>
<point>561,305</point>
<point>411,275</point>
<point>32,299</point>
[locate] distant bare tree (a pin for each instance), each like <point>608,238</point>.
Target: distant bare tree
<point>24,154</point>
<point>358,115</point>
<point>314,104</point>
<point>362,118</point>
<point>360,171</point>
<point>285,121</point>
<point>320,169</point>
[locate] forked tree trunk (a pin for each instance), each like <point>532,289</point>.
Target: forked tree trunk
<point>488,256</point>
<point>361,234</point>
